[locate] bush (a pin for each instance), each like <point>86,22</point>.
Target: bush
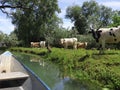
<point>88,38</point>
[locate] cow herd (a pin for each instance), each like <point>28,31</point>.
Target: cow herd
<point>73,42</point>
<point>64,42</point>
<point>41,44</point>
<point>101,36</point>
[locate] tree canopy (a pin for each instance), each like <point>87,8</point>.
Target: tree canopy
<point>116,19</point>
<point>89,13</point>
<point>76,16</point>
<point>33,19</point>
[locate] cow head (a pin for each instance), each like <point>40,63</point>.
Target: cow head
<point>62,41</point>
<point>95,33</point>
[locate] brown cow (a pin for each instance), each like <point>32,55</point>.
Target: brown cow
<point>82,44</point>
<point>35,44</point>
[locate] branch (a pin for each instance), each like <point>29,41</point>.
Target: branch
<point>8,6</point>
<point>3,7</point>
<point>4,11</point>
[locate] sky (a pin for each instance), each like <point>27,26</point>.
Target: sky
<point>7,27</point>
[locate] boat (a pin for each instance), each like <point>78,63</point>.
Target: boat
<point>14,75</point>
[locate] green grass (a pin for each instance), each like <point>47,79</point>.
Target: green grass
<point>84,65</point>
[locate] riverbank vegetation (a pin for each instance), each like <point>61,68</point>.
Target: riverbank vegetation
<point>84,65</point>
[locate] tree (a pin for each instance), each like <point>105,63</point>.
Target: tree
<point>75,14</point>
<point>32,18</point>
<point>116,19</point>
<point>13,40</point>
<point>4,39</point>
<point>1,36</point>
<point>89,13</point>
<point>98,15</point>
<point>105,15</point>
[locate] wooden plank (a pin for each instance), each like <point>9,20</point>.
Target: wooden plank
<point>13,75</point>
<point>12,88</point>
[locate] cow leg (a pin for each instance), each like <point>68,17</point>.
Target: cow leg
<point>101,51</point>
<point>103,45</point>
<point>102,48</point>
<point>66,46</point>
<point>74,46</point>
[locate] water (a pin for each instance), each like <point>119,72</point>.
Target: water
<point>50,73</point>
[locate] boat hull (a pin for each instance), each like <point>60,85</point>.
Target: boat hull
<point>14,75</point>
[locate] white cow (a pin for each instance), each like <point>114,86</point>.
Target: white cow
<point>69,42</point>
<point>106,35</point>
<point>42,44</point>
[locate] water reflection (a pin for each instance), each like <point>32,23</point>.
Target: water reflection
<point>51,74</point>
<point>41,62</point>
<point>61,84</point>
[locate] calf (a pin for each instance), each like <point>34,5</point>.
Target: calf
<point>35,44</point>
<point>82,44</point>
<point>106,35</point>
<point>69,42</point>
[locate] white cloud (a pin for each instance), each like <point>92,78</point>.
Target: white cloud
<point>67,24</point>
<point>5,24</point>
<point>113,4</point>
<point>66,1</point>
<point>62,14</point>
<point>63,4</point>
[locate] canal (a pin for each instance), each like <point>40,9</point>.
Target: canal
<point>50,73</point>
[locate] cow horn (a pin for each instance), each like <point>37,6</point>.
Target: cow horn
<point>99,27</point>
<point>91,26</point>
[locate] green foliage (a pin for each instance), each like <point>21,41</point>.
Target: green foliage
<point>102,69</point>
<point>37,51</point>
<point>116,20</point>
<point>73,12</point>
<point>8,40</point>
<point>1,36</point>
<point>88,38</point>
<point>57,34</point>
<point>13,40</point>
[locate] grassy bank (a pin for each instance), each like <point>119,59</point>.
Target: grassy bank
<point>81,64</point>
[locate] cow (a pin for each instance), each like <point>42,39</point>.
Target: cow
<point>35,44</point>
<point>106,35</point>
<point>42,44</point>
<point>69,42</point>
<point>82,44</point>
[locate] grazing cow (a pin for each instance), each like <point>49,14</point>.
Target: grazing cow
<point>35,44</point>
<point>69,42</point>
<point>42,44</point>
<point>106,35</point>
<point>82,44</point>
